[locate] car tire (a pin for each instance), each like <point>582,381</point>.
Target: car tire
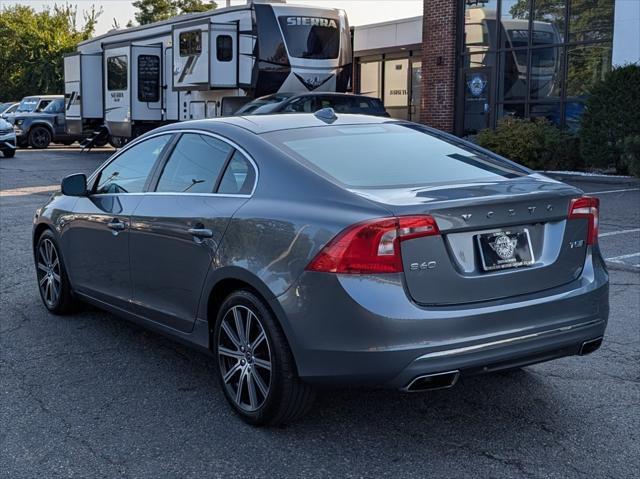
<point>269,396</point>
<point>53,281</point>
<point>118,141</point>
<point>10,153</point>
<point>39,137</point>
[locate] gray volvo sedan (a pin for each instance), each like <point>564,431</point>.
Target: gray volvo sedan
<point>320,250</point>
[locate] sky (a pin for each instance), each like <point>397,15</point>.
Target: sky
<point>626,45</point>
<point>359,12</point>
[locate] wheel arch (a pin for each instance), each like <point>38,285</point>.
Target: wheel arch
<point>227,280</point>
<point>38,230</point>
<point>40,123</point>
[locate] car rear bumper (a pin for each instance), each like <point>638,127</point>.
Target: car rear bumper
<point>355,330</point>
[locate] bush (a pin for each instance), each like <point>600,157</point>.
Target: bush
<point>631,154</point>
<point>612,114</point>
<point>537,144</point>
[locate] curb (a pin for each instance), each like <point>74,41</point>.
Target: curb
<point>617,180</point>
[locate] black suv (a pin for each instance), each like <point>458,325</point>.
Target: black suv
<point>312,102</point>
<point>40,126</point>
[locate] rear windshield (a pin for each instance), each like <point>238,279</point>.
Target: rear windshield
<point>258,102</point>
<point>389,155</point>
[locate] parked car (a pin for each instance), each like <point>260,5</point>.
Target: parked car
<point>311,102</point>
<point>323,249</point>
<point>7,139</point>
<point>39,127</point>
<point>8,108</point>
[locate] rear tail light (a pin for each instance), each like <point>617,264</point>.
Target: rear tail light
<point>372,246</point>
<point>586,208</point>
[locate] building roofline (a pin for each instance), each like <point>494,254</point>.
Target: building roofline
<point>389,22</point>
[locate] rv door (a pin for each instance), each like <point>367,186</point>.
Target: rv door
<point>72,87</point>
<point>117,100</point>
<point>224,55</point>
<point>146,83</point>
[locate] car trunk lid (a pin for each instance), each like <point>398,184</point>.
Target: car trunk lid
<point>449,269</point>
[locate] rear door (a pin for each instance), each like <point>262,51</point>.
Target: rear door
<point>176,229</point>
<point>98,231</point>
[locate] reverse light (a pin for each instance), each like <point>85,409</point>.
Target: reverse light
<point>586,208</point>
<point>372,246</point>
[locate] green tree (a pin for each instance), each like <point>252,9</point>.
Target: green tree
<point>150,11</point>
<point>195,6</point>
<point>612,115</point>
<point>33,47</point>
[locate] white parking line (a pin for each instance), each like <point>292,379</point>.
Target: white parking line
<point>620,259</point>
<point>29,190</point>
<point>620,232</point>
<point>611,191</point>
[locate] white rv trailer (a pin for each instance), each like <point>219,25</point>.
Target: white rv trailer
<point>204,65</point>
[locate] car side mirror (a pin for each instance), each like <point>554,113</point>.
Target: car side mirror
<point>74,185</point>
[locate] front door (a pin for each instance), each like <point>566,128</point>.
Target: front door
<point>477,101</point>
<point>176,230</point>
<point>98,233</point>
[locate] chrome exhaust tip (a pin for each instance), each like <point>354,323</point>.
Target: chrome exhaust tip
<point>590,346</point>
<point>430,382</point>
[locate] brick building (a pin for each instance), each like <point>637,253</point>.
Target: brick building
<point>466,64</point>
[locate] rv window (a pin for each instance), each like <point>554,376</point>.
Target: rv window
<point>149,78</point>
<point>117,73</point>
<point>224,48</point>
<point>190,43</point>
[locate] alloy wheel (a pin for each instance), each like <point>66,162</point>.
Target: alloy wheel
<point>49,279</point>
<point>40,138</point>
<point>245,358</point>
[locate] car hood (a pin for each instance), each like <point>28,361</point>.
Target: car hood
<point>28,116</point>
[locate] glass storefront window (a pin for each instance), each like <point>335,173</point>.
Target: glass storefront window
<point>573,114</point>
<point>546,73</point>
<point>550,111</point>
<point>416,90</point>
<point>514,18</point>
<point>548,21</point>
<point>590,20</point>
<point>512,76</point>
<point>510,110</point>
<point>479,25</point>
<point>371,79</point>
<point>586,65</point>
<point>531,58</point>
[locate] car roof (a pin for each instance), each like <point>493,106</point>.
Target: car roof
<point>259,124</point>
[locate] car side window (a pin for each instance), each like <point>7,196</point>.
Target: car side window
<point>194,165</point>
<point>129,171</point>
<point>300,105</point>
<point>239,177</point>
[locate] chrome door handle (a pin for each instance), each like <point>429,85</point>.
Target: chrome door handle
<point>117,225</point>
<point>201,232</point>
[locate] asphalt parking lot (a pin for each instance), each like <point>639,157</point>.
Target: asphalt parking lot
<point>91,395</point>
